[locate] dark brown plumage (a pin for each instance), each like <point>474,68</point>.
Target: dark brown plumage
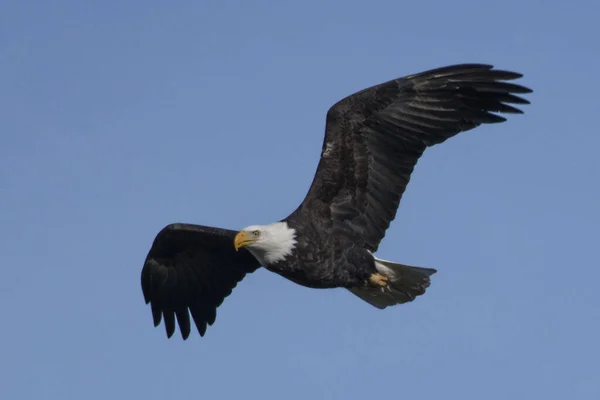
<point>192,267</point>
<point>372,143</point>
<point>375,137</point>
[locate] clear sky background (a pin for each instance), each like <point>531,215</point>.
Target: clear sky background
<point>117,118</point>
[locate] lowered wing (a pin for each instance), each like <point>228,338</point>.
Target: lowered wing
<point>192,267</point>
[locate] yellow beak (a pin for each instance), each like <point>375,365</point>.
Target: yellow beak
<point>241,240</point>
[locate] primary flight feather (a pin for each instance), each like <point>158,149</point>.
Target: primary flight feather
<point>373,140</point>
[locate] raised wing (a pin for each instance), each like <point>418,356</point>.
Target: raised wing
<point>192,267</point>
<point>375,137</point>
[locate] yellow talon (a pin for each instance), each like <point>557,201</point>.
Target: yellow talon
<point>377,279</point>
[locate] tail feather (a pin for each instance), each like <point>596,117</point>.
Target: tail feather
<point>405,284</point>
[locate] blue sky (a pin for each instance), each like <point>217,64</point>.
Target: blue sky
<point>117,119</point>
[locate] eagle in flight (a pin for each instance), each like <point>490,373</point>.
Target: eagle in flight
<point>373,140</point>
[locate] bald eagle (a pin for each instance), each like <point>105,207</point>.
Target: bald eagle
<point>373,140</point>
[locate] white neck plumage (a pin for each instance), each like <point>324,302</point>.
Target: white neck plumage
<point>276,242</point>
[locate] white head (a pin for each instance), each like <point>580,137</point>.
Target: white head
<point>268,243</point>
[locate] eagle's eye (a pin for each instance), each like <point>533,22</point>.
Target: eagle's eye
<point>255,233</point>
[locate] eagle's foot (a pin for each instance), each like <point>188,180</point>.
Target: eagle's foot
<point>378,280</point>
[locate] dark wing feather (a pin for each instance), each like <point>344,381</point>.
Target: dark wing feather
<point>192,267</point>
<point>375,137</point>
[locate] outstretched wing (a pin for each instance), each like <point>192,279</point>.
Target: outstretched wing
<point>375,137</point>
<point>192,267</point>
